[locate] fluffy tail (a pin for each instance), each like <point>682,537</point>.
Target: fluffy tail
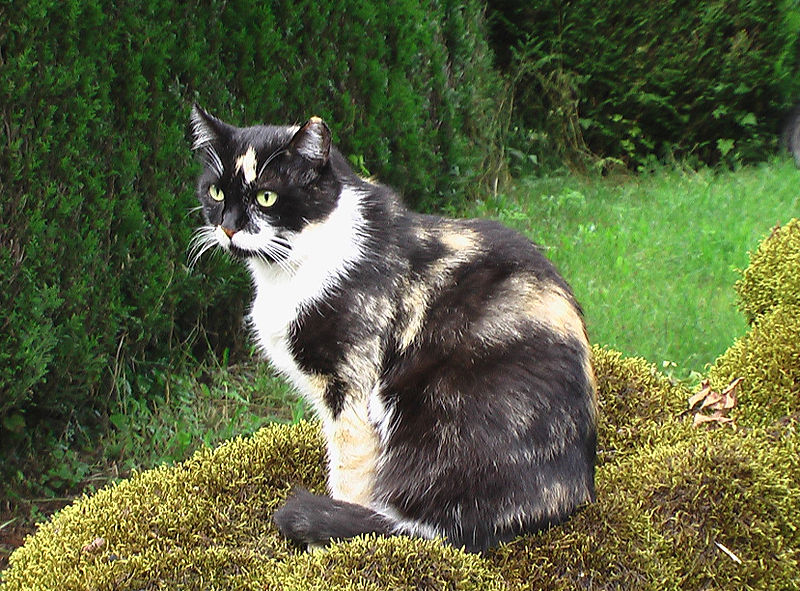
<point>318,519</point>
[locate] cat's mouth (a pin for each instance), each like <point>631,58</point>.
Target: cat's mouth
<point>276,249</point>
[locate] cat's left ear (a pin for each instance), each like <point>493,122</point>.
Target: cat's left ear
<point>313,142</point>
<point>207,130</point>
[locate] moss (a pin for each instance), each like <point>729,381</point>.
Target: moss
<point>638,405</point>
<point>661,513</point>
<point>205,524</point>
<point>161,525</point>
<point>773,275</point>
<point>768,360</point>
<point>393,563</point>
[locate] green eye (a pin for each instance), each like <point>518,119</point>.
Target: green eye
<point>266,198</point>
<point>216,194</point>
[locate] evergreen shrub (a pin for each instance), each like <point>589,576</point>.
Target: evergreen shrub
<point>632,81</point>
<point>96,175</point>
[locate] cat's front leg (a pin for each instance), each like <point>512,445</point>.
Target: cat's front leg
<point>353,451</point>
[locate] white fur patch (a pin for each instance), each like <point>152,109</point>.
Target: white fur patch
<point>401,525</point>
<point>380,415</point>
<point>247,165</point>
<point>320,256</point>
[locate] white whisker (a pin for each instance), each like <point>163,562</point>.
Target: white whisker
<point>204,239</point>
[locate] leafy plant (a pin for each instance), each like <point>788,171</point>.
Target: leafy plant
<point>619,83</point>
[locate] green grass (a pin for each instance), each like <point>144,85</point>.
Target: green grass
<point>653,258</point>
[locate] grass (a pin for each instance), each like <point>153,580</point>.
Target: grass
<point>653,258</point>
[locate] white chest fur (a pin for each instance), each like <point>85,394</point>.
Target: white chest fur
<point>321,255</point>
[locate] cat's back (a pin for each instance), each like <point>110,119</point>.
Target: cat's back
<point>484,280</point>
<point>491,369</point>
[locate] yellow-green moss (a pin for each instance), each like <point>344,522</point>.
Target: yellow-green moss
<point>768,360</point>
<point>161,525</point>
<point>661,513</point>
<point>638,405</point>
<point>773,275</point>
<point>205,524</point>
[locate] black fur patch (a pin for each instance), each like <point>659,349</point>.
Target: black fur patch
<point>317,519</point>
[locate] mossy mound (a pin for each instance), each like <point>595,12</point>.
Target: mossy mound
<point>205,524</point>
<point>660,515</point>
<point>773,276</point>
<point>638,405</point>
<point>767,359</point>
<point>678,507</point>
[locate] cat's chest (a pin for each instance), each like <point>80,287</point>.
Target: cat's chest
<point>280,299</point>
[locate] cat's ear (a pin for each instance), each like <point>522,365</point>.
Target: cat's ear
<point>209,134</point>
<point>313,142</point>
<point>206,129</point>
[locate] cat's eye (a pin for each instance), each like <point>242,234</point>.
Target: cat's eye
<point>216,194</point>
<point>266,198</point>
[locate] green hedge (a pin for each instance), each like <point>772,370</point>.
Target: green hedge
<point>97,177</point>
<point>630,81</point>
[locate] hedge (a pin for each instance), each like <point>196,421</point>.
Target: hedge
<point>97,175</point>
<point>678,507</point>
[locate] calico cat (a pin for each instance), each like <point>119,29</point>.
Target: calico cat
<point>446,359</point>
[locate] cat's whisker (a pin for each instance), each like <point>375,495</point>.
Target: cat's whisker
<point>278,250</point>
<point>203,240</point>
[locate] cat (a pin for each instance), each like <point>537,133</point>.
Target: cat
<point>447,360</point>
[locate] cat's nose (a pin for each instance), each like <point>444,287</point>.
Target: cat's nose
<point>228,232</point>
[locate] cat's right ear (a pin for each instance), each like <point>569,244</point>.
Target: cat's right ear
<point>209,135</point>
<point>313,142</point>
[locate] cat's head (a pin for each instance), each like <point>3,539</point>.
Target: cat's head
<point>261,186</point>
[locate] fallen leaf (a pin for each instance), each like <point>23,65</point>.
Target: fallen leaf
<point>714,400</point>
<point>701,395</point>
<point>718,404</point>
<point>700,419</point>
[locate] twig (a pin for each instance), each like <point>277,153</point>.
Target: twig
<point>730,554</point>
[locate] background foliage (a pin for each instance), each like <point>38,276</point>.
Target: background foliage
<point>624,82</point>
<point>97,180</point>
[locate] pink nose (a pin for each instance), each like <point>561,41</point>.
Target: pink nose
<point>228,233</point>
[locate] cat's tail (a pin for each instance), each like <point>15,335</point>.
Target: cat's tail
<point>317,519</point>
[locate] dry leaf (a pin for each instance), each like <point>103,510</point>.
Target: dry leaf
<point>717,403</point>
<point>700,419</point>
<point>714,400</point>
<point>701,395</point>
